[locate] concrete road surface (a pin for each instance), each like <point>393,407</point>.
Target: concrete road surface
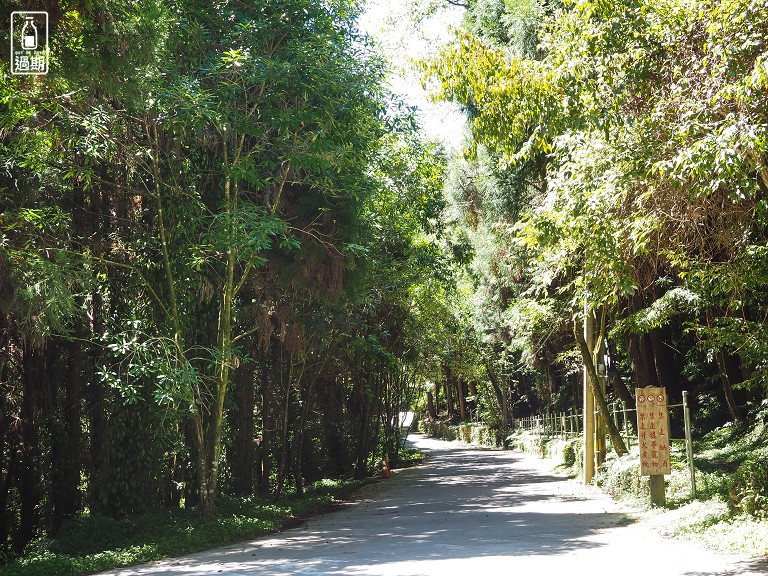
<point>466,512</point>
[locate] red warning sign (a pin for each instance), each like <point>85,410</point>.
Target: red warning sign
<point>653,431</point>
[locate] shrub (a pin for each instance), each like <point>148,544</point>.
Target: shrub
<point>622,477</point>
<point>569,454</point>
<point>748,489</point>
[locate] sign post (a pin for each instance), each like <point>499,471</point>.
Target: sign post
<point>689,442</point>
<point>653,439</point>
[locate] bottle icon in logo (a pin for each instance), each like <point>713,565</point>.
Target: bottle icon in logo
<point>29,34</point>
<point>29,43</point>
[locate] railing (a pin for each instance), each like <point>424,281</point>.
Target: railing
<point>570,425</point>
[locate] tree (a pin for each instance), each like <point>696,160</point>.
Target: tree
<point>647,175</point>
<point>171,181</point>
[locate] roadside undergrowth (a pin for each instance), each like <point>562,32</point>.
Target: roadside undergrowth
<point>93,543</point>
<point>730,510</point>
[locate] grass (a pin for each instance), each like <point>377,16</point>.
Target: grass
<point>92,543</point>
<point>718,517</point>
<point>730,511</point>
<point>408,456</point>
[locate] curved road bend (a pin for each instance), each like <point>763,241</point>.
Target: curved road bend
<point>465,512</point>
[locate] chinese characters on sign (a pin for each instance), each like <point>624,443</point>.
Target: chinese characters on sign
<point>29,43</point>
<point>653,431</point>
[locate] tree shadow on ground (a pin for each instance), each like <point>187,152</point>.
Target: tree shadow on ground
<point>755,566</point>
<point>475,513</point>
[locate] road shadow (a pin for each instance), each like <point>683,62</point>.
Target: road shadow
<point>461,505</point>
<point>755,566</point>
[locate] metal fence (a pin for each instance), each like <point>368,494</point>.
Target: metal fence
<point>570,424</point>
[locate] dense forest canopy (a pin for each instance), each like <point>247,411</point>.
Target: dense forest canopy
<point>229,260</point>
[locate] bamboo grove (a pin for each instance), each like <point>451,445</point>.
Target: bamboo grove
<point>218,236</point>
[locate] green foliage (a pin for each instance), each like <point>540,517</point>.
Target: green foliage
<point>638,133</point>
<point>193,193</point>
<point>139,359</point>
<point>468,432</point>
<point>531,322</point>
<point>514,24</point>
<point>407,456</point>
<point>249,231</point>
<point>639,137</point>
<point>45,293</point>
<point>748,489</point>
<point>675,302</point>
<point>94,543</point>
<point>569,454</point>
<point>134,452</point>
<point>507,95</point>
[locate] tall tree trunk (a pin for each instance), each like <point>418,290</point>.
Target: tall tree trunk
<point>727,377</point>
<point>472,404</point>
<point>94,389</point>
<point>728,380</point>
<point>501,398</point>
<point>614,379</point>
<point>668,372</point>
<point>205,492</point>
<point>449,392</point>
<point>643,364</point>
<point>462,391</point>
<point>361,469</point>
<point>363,439</point>
<point>431,405</point>
<point>549,370</point>
<point>372,447</point>
<point>300,435</point>
<point>66,473</point>
<point>7,515</point>
<point>30,491</point>
<point>241,454</point>
<point>174,477</point>
<point>191,475</point>
<point>10,388</point>
<point>269,384</point>
<point>286,388</point>
<point>97,426</point>
<point>618,442</point>
<point>209,426</point>
<point>333,422</point>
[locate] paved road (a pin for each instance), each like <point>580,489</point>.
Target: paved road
<point>467,512</point>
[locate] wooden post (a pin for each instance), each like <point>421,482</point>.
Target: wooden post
<point>689,442</point>
<point>579,423</point>
<point>626,424</point>
<point>653,439</point>
<point>589,406</point>
<point>658,492</point>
